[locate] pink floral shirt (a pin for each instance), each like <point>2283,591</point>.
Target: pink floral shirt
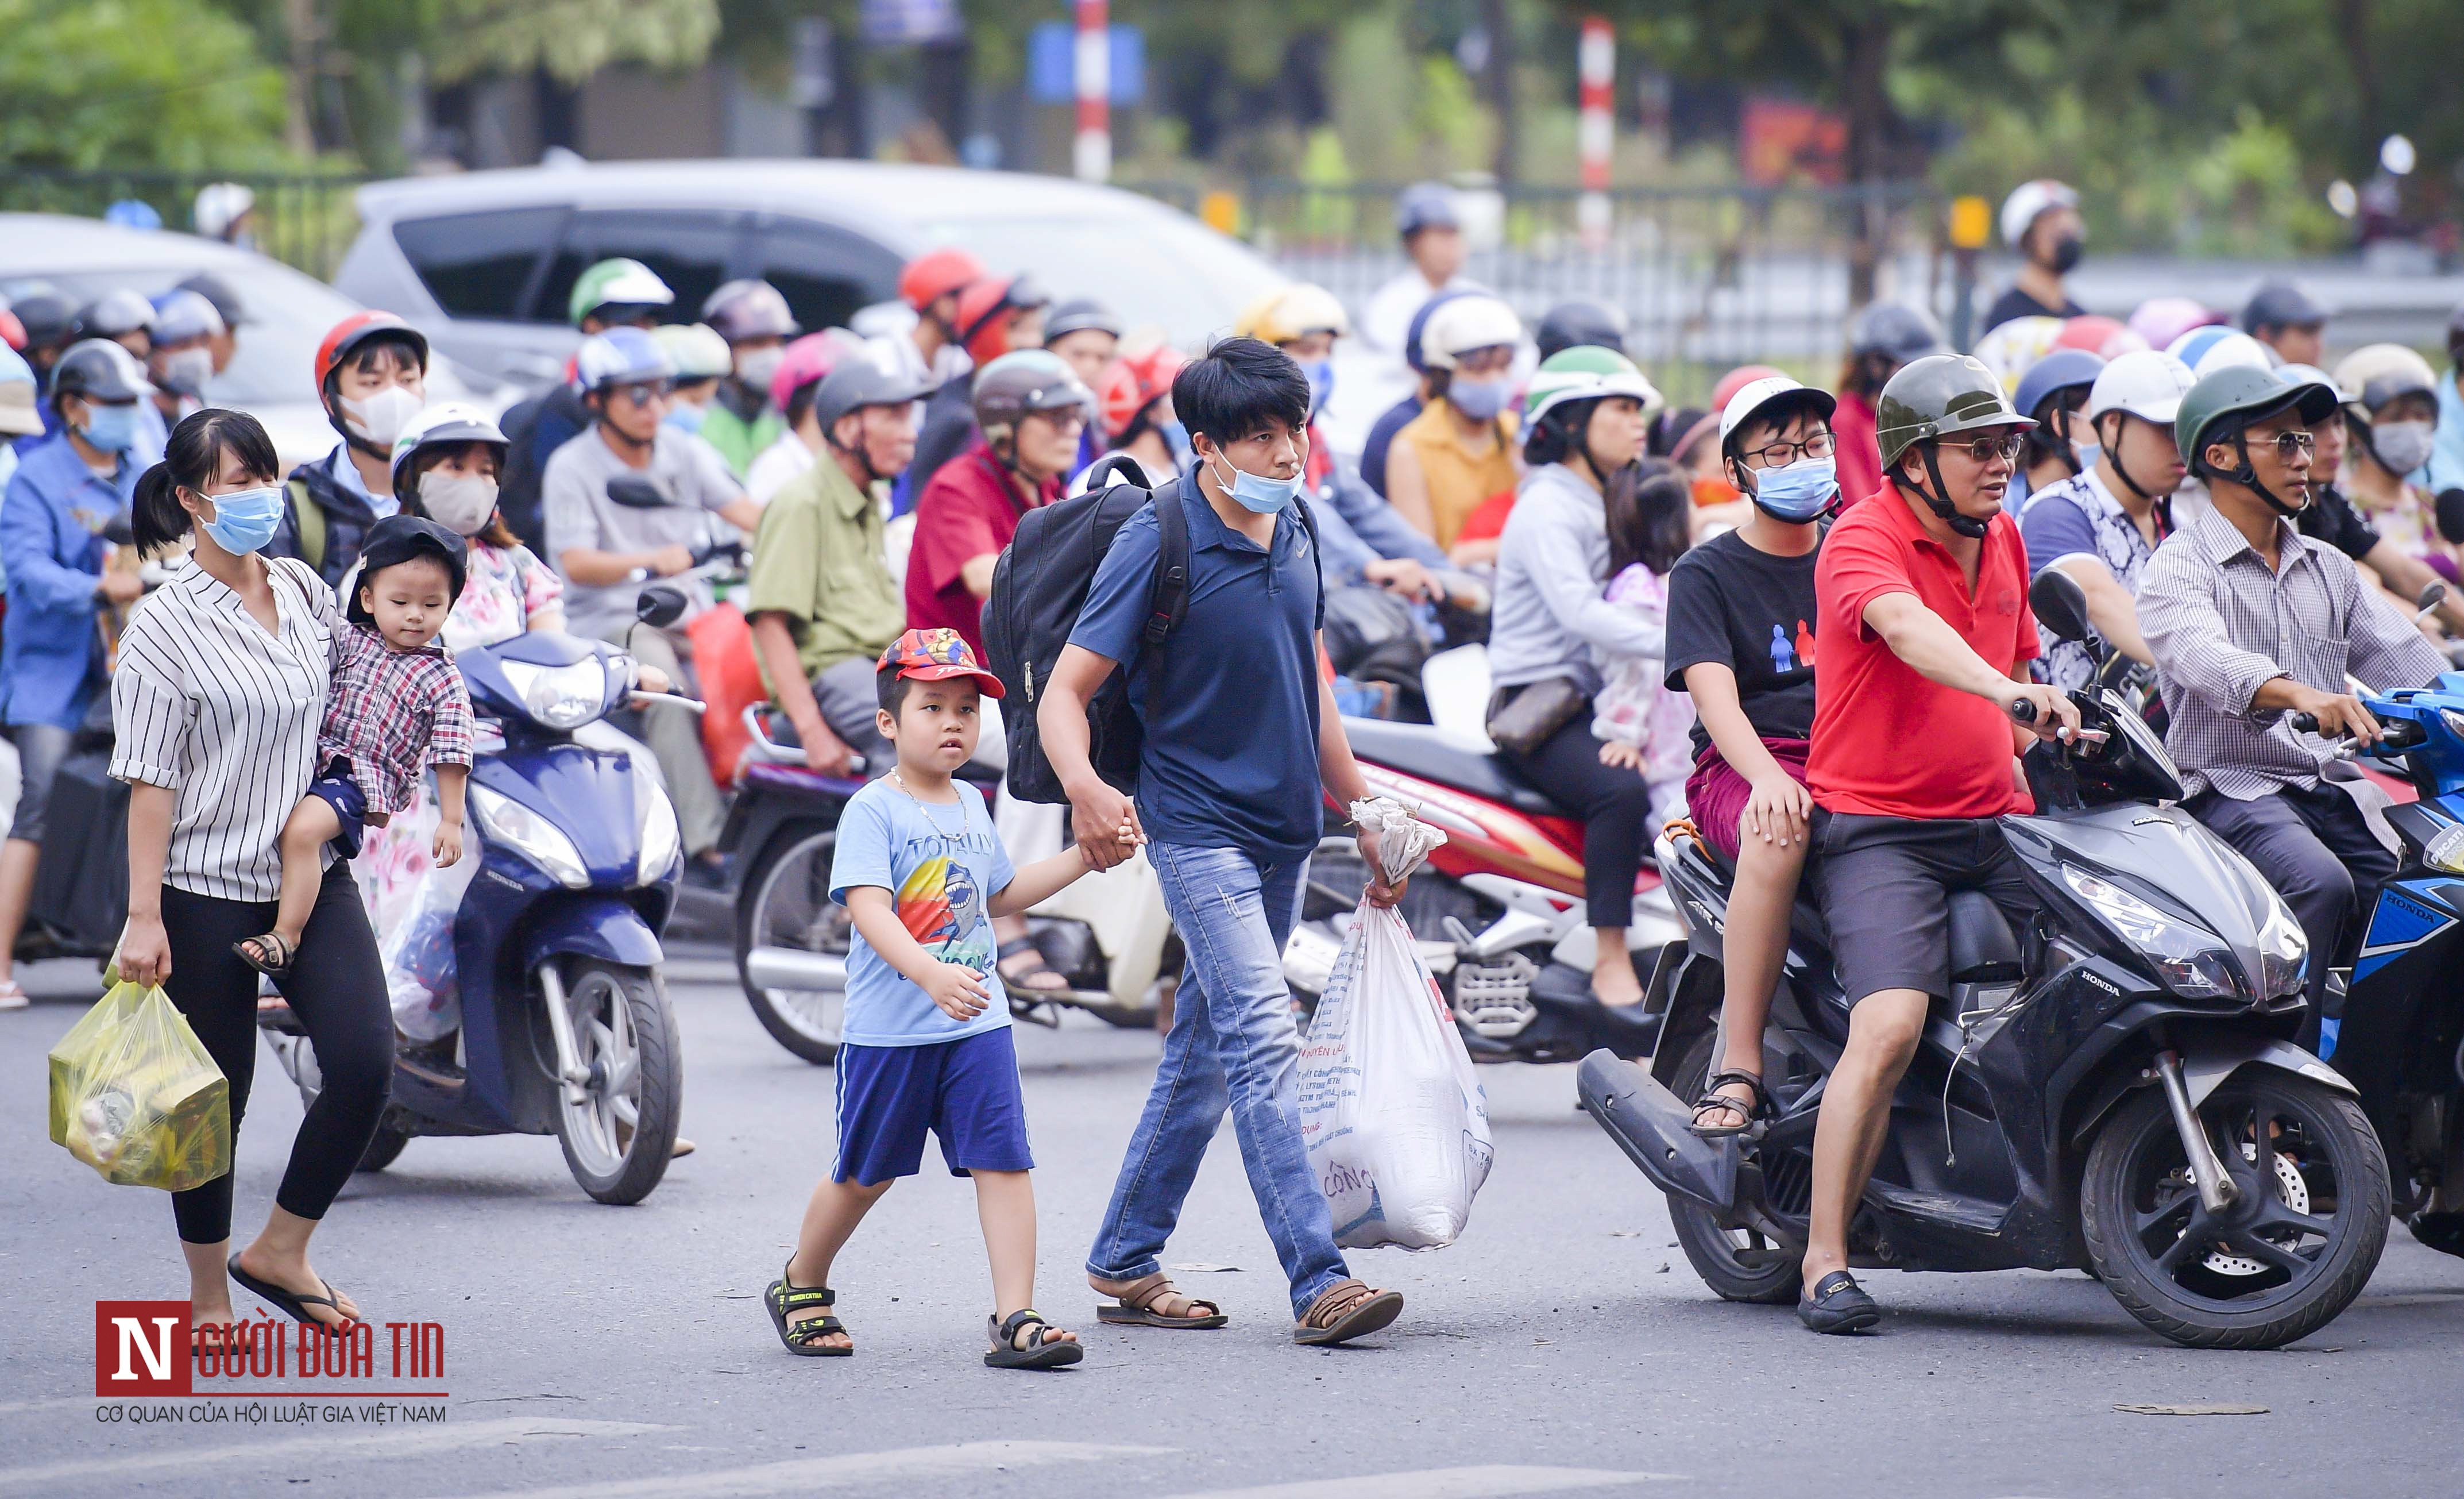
<point>1635,706</point>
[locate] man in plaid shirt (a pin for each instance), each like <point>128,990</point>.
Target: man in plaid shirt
<point>2250,622</point>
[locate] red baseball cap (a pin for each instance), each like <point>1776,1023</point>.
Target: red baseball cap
<point>935,655</point>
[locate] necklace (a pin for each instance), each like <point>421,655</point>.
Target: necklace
<point>947,836</point>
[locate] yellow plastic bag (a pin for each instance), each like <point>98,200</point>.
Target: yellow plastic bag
<point>135,1095</point>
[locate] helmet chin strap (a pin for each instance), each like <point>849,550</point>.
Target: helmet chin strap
<point>2113,457</point>
<point>2247,477</point>
<point>2062,434</point>
<point>1965,525</point>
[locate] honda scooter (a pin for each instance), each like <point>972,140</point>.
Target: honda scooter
<point>565,1027</point>
<point>1499,906</point>
<point>2112,1087</point>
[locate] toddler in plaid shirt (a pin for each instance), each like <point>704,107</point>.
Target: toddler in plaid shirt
<point>395,704</point>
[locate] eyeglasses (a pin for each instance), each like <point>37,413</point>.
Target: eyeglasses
<point>2287,444</point>
<point>644,392</point>
<point>1780,455</point>
<point>1985,450</point>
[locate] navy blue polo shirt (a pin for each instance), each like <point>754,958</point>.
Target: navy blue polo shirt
<point>1231,718</point>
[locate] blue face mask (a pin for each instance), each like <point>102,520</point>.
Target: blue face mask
<point>1799,492</point>
<point>1262,496</point>
<point>110,429</point>
<point>687,417</point>
<point>1321,384</point>
<point>245,520</point>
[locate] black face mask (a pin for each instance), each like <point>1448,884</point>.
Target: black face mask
<point>2066,254</point>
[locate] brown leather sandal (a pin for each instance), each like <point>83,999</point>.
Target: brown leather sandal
<point>1134,1304</point>
<point>1344,1311</point>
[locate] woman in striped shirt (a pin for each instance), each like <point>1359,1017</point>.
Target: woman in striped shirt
<point>220,688</point>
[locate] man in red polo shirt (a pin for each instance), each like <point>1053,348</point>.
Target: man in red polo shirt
<point>1926,636</point>
<point>1030,408</point>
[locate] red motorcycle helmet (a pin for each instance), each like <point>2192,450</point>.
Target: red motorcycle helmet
<point>1135,383</point>
<point>988,308</point>
<point>356,329</point>
<point>935,274</point>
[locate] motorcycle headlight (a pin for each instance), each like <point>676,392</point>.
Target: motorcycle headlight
<point>2283,951</point>
<point>2190,959</point>
<point>506,821</point>
<point>655,832</point>
<point>560,696</point>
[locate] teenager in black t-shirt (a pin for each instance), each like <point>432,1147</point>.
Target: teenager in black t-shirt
<point>1741,624</point>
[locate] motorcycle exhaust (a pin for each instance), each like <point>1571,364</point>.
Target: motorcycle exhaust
<point>1649,1123</point>
<point>789,968</point>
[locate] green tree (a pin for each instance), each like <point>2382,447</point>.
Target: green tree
<point>133,84</point>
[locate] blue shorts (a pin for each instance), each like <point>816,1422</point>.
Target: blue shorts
<point>335,786</point>
<point>966,1092</point>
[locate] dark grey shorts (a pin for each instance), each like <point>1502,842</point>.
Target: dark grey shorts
<point>40,749</point>
<point>1886,884</point>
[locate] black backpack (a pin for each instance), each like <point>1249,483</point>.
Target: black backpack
<point>1040,585</point>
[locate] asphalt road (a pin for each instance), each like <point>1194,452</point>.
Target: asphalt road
<point>1562,1346</point>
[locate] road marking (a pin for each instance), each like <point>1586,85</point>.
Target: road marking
<point>847,1469</point>
<point>392,1444</point>
<point>1443,1483</point>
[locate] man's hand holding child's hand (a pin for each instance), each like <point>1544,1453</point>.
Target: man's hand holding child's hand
<point>448,848</point>
<point>957,988</point>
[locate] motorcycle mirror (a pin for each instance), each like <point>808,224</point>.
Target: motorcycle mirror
<point>638,491</point>
<point>2450,516</point>
<point>2061,605</point>
<point>661,604</point>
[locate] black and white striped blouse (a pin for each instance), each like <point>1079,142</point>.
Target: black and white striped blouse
<point>206,702</point>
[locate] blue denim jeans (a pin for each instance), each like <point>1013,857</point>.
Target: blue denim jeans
<point>1233,1043</point>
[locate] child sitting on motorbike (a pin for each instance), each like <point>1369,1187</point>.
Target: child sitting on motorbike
<point>396,700</point>
<point>1741,619</point>
<point>1639,719</point>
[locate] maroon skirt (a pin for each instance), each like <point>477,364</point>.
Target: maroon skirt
<point>1716,795</point>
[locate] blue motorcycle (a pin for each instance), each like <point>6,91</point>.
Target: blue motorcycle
<point>565,1024</point>
<point>2401,1039</point>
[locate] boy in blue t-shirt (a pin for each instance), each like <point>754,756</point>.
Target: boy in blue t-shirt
<point>927,1041</point>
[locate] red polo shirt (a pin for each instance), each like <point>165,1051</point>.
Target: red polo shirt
<point>969,509</point>
<point>1887,741</point>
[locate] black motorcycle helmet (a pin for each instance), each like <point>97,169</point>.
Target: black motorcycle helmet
<point>1573,324</point>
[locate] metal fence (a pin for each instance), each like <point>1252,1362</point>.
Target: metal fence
<point>1708,278</point>
<point>305,221</point>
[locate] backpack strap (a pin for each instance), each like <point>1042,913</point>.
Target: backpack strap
<point>310,517</point>
<point>1317,556</point>
<point>1169,602</point>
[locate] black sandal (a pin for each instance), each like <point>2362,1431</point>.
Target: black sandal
<point>1024,947</point>
<point>1758,1107</point>
<point>294,1303</point>
<point>274,967</point>
<point>1037,1353</point>
<point>1839,1305</point>
<point>803,1338</point>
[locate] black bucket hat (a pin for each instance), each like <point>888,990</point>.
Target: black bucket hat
<point>400,539</point>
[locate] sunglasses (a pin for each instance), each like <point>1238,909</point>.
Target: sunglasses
<point>645,392</point>
<point>2287,444</point>
<point>1985,450</point>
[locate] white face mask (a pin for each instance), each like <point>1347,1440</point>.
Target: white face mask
<point>2403,446</point>
<point>185,371</point>
<point>459,502</point>
<point>381,418</point>
<point>757,367</point>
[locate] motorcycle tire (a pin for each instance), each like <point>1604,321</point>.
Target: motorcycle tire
<point>1759,1269</point>
<point>2273,1268</point>
<point>617,1141</point>
<point>808,1022</point>
<point>384,1147</point>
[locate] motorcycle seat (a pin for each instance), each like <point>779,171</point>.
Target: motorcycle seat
<point>1982,946</point>
<point>1421,750</point>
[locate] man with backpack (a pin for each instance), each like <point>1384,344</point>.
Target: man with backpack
<point>1240,741</point>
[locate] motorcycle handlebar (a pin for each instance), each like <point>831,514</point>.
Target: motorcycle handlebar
<point>2023,710</point>
<point>2396,734</point>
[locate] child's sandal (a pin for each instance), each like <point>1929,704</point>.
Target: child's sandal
<point>803,1338</point>
<point>1037,1353</point>
<point>272,967</point>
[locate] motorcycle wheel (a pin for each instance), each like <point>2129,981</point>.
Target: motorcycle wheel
<point>2294,1250</point>
<point>1737,1264</point>
<point>618,1137</point>
<point>789,905</point>
<point>383,1147</point>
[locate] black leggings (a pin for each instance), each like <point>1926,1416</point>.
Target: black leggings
<point>1614,806</point>
<point>337,988</point>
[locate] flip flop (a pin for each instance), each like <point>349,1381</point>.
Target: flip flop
<point>12,995</point>
<point>1352,1310</point>
<point>1839,1305</point>
<point>294,1303</point>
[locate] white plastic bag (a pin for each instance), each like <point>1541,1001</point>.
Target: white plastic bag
<point>1394,1119</point>
<point>418,955</point>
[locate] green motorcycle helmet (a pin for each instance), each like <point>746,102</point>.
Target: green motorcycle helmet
<point>1937,396</point>
<point>1558,401</point>
<point>2226,401</point>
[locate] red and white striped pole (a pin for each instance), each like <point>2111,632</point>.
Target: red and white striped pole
<point>1596,130</point>
<point>1091,155</point>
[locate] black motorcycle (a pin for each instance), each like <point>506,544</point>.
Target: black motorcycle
<point>2113,1088</point>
